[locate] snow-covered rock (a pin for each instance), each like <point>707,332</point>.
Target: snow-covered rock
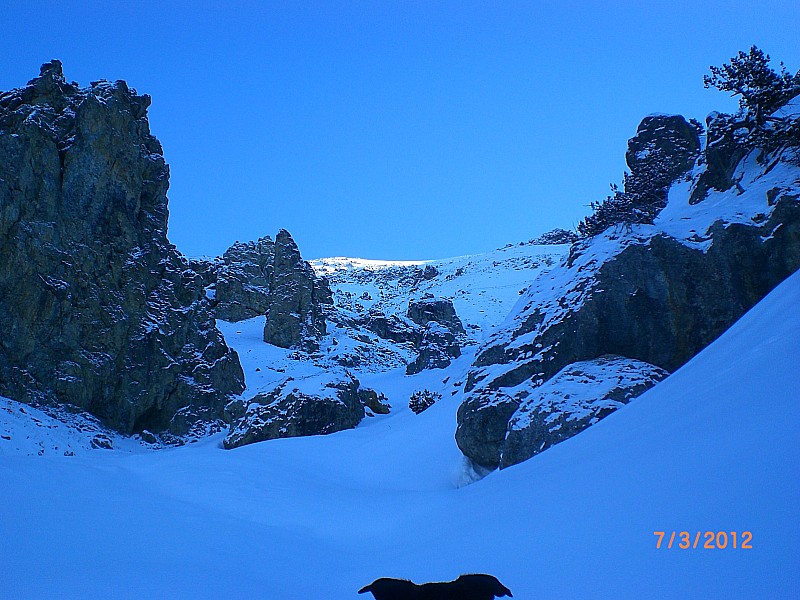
<point>313,406</point>
<point>266,278</point>
<point>399,319</point>
<point>657,293</point>
<point>482,287</point>
<point>578,396</point>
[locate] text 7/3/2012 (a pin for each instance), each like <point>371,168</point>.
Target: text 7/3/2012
<point>708,540</point>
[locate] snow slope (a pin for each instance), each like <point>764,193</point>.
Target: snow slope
<point>483,287</point>
<point>713,447</point>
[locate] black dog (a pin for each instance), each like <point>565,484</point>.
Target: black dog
<point>466,587</point>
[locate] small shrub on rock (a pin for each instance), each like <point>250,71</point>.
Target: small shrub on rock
<point>422,400</point>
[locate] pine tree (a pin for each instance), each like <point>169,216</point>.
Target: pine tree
<point>760,88</point>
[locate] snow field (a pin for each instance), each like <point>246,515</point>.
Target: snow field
<point>713,447</point>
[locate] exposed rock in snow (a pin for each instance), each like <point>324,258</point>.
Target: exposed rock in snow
<point>436,349</point>
<point>242,280</point>
<point>295,316</point>
<point>393,327</point>
<point>363,340</point>
<point>438,343</point>
<point>440,310</point>
<point>482,287</point>
<point>656,293</point>
<point>374,401</point>
<point>668,139</point>
<point>719,160</point>
<point>269,278</point>
<point>315,406</point>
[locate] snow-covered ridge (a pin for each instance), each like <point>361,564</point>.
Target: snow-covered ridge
<point>334,264</point>
<point>562,290</point>
<point>483,287</point>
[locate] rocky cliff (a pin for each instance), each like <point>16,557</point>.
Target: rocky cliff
<point>270,279</point>
<point>653,293</point>
<point>97,309</point>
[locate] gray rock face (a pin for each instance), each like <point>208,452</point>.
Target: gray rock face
<point>664,148</point>
<point>290,412</point>
<point>658,301</point>
<point>269,278</point>
<point>438,344</point>
<point>244,279</point>
<point>393,328</point>
<point>720,158</point>
<point>440,310</point>
<point>578,396</point>
<point>651,296</point>
<point>97,309</point>
<point>437,348</point>
<point>295,316</point>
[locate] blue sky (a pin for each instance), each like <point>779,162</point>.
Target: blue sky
<point>398,130</point>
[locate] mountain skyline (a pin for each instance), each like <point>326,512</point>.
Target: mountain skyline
<point>436,131</point>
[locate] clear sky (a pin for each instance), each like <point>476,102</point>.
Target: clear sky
<point>398,130</point>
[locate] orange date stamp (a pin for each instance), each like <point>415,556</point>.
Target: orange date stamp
<point>708,540</point>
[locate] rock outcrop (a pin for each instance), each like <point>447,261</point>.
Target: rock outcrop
<point>97,309</point>
<point>298,408</point>
<point>295,316</point>
<point>376,402</point>
<point>655,293</point>
<point>665,147</point>
<point>720,158</point>
<point>437,347</point>
<point>440,310</point>
<point>242,280</point>
<point>393,327</point>
<point>441,327</point>
<point>266,278</point>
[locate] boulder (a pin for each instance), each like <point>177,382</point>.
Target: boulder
<point>440,310</point>
<point>97,308</point>
<point>296,408</point>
